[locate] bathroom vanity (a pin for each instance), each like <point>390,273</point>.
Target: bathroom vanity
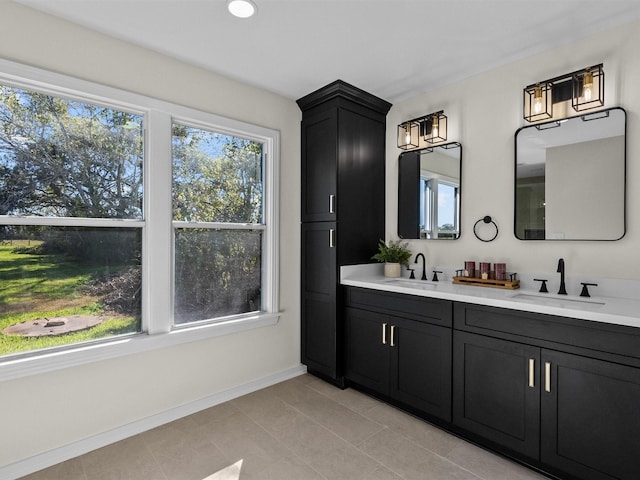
<point>551,382</point>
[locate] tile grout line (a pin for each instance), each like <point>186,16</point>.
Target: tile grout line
<point>357,446</point>
<point>291,452</point>
<point>331,431</point>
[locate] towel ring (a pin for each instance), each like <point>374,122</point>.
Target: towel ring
<point>486,219</point>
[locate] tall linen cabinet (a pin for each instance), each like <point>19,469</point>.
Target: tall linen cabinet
<point>343,204</point>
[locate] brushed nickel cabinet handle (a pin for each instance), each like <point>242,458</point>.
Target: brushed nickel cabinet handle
<point>332,204</point>
<point>384,333</point>
<point>393,328</point>
<point>532,366</point>
<point>547,377</point>
<point>332,238</point>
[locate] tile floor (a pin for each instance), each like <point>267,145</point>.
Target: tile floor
<point>301,429</point>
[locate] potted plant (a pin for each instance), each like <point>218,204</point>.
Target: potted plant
<point>394,254</point>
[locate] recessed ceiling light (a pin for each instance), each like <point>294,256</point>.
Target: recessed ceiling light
<point>242,8</point>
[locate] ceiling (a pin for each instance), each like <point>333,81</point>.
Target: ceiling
<point>394,49</point>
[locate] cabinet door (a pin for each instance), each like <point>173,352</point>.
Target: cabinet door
<point>421,366</point>
<point>361,184</point>
<point>319,166</point>
<point>591,417</point>
<point>492,396</point>
<point>367,352</point>
<point>319,277</point>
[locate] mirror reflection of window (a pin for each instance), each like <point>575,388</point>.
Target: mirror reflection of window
<point>429,193</point>
<point>439,201</point>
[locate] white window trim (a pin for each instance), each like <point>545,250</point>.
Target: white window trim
<point>157,225</point>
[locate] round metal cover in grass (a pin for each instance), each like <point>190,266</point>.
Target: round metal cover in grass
<point>42,327</point>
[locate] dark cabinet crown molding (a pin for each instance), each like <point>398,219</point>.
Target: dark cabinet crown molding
<point>340,89</point>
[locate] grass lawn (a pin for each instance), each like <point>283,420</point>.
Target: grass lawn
<point>37,286</point>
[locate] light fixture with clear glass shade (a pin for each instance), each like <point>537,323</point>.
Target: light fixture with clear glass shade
<point>408,135</point>
<point>588,89</point>
<point>241,8</point>
<point>538,104</point>
<point>432,128</point>
<point>585,89</point>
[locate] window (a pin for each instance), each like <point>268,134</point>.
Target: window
<point>91,244</point>
<point>218,221</point>
<point>70,172</point>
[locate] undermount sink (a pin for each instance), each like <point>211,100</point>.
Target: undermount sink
<point>575,303</point>
<point>403,282</point>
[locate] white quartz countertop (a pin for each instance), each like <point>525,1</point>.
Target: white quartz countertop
<point>619,311</point>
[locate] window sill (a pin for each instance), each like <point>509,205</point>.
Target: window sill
<point>83,354</point>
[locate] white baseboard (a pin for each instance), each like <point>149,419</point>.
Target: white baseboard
<point>72,450</point>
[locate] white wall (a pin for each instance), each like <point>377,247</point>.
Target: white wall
<point>43,412</point>
<point>484,113</point>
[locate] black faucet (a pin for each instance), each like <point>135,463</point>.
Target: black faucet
<point>424,267</point>
<point>563,290</point>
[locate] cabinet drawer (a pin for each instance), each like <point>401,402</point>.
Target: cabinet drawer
<point>540,328</point>
<point>430,310</point>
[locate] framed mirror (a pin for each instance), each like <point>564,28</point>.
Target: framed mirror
<point>570,178</point>
<point>429,192</point>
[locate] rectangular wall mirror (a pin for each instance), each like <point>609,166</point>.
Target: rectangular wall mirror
<point>570,178</point>
<point>429,193</point>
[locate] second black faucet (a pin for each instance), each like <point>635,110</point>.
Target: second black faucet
<point>560,270</point>
<point>424,266</point>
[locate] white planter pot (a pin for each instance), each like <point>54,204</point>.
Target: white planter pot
<point>392,270</point>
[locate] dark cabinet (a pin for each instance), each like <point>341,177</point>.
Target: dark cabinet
<point>405,359</point>
<point>494,393</point>
<point>319,166</point>
<point>367,349</point>
<point>343,183</point>
<point>590,417</point>
<point>421,366</point>
<point>575,412</point>
<point>319,277</point>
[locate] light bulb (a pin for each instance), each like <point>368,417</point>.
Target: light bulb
<point>587,85</point>
<point>537,100</point>
<point>407,135</point>
<point>434,127</point>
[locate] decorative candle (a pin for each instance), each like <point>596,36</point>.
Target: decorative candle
<point>501,271</point>
<point>469,269</point>
<point>485,270</point>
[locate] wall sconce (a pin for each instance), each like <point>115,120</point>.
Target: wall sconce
<point>584,87</point>
<point>432,128</point>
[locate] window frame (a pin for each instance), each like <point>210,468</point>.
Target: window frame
<point>268,294</point>
<point>430,204</point>
<point>157,329</point>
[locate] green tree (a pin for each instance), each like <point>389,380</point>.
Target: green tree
<point>216,178</point>
<point>65,158</point>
